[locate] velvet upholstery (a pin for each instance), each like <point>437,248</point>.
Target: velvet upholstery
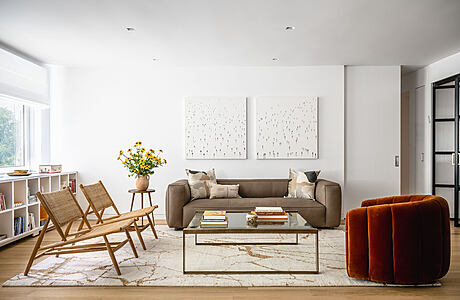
<point>400,239</point>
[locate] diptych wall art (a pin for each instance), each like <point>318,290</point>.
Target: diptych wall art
<point>215,128</point>
<point>287,127</point>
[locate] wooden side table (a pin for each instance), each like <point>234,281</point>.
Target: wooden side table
<point>147,191</point>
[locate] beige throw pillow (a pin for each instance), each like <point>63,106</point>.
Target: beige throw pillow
<point>224,191</point>
<point>299,185</point>
<point>199,182</point>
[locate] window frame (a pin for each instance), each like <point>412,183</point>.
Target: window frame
<point>26,121</point>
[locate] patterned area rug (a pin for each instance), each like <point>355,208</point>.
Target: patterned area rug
<point>161,264</point>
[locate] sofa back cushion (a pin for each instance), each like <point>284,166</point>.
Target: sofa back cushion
<point>259,188</point>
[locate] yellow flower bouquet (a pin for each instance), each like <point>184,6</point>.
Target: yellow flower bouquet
<point>141,162</point>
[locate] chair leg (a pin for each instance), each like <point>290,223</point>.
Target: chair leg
<point>131,243</point>
<point>37,246</point>
<point>112,256</point>
<point>151,226</point>
<point>139,235</point>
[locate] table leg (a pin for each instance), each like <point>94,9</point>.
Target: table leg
<point>142,206</point>
<point>183,252</point>
<point>317,251</point>
<point>150,200</point>
<point>132,202</point>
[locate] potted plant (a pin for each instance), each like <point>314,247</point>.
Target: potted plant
<point>141,163</point>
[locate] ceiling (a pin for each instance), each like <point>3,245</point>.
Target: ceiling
<point>232,33</point>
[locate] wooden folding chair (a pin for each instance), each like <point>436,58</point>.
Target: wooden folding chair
<point>99,200</point>
<point>63,209</point>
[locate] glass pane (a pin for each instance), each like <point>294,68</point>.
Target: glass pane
<point>444,169</point>
<point>448,194</point>
<point>444,136</point>
<point>445,104</point>
<point>11,134</point>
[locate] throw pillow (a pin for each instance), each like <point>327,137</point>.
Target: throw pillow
<point>199,182</point>
<point>302,184</point>
<point>224,191</point>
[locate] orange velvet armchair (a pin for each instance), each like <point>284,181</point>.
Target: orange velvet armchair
<point>401,239</point>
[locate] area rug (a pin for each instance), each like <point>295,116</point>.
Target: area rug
<point>161,263</point>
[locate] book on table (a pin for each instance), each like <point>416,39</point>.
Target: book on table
<point>214,218</point>
<point>272,214</point>
<point>214,215</point>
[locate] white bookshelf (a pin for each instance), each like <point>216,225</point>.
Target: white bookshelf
<point>15,190</point>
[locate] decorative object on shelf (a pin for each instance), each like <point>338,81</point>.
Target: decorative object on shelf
<point>19,173</point>
<point>49,169</point>
<point>141,163</point>
<point>287,127</point>
<point>215,128</point>
<point>2,202</point>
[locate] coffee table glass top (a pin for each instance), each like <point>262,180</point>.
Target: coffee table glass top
<point>237,220</point>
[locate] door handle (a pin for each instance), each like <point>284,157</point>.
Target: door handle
<point>453,159</point>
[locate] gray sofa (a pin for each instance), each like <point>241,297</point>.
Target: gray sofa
<point>324,212</point>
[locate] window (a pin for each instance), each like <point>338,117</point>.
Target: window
<point>12,134</point>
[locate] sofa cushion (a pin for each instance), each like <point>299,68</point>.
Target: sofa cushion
<point>259,188</point>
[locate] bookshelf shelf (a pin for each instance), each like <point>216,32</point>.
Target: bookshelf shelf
<point>22,190</point>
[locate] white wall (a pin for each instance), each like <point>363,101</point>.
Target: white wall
<point>95,112</point>
<point>372,101</point>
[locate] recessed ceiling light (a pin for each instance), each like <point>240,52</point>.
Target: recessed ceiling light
<point>289,28</point>
<point>275,59</point>
<point>130,28</point>
<point>155,59</point>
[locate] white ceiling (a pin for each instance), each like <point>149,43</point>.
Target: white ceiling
<point>236,33</point>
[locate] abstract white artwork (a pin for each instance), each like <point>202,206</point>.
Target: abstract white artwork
<point>215,128</point>
<point>287,127</point>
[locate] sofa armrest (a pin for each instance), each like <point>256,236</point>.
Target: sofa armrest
<point>329,194</point>
<point>177,195</point>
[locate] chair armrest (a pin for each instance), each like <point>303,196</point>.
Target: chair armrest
<point>329,194</point>
<point>177,195</point>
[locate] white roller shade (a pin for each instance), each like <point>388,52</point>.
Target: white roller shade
<point>23,80</point>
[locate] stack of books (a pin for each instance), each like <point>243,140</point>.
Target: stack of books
<point>19,225</point>
<point>271,215</point>
<point>214,218</point>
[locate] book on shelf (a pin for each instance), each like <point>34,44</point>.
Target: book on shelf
<point>18,204</point>
<point>19,225</point>
<point>73,185</point>
<point>2,202</point>
<point>214,215</point>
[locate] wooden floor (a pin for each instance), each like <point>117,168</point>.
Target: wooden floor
<point>13,259</point>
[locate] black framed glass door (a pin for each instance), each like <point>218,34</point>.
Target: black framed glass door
<point>445,143</point>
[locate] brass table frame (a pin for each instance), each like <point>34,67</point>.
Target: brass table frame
<point>296,231</point>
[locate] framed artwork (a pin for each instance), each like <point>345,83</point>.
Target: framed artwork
<point>287,127</point>
<point>215,128</point>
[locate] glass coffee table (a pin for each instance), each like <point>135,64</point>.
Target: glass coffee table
<point>237,224</point>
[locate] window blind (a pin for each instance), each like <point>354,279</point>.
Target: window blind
<point>23,80</point>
